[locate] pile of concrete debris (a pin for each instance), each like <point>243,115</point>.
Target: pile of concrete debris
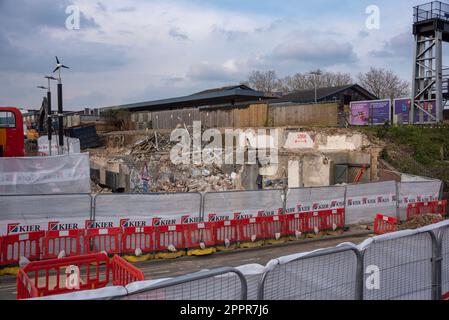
<point>149,161</point>
<point>420,221</point>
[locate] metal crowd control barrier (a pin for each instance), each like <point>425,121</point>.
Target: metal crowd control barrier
<point>443,276</point>
<point>404,263</point>
<point>217,284</point>
<point>327,274</point>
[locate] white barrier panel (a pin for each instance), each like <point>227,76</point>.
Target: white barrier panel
<point>365,201</point>
<point>71,145</point>
<point>45,175</point>
<point>398,266</point>
<point>419,191</point>
<point>21,214</point>
<point>147,209</point>
<point>324,274</point>
<point>242,204</point>
<point>311,199</point>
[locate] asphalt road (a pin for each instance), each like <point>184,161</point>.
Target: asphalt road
<point>155,269</point>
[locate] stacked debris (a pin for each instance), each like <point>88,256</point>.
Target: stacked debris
<point>420,221</point>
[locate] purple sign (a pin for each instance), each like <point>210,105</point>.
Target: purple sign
<point>359,113</point>
<point>370,112</point>
<point>402,110</point>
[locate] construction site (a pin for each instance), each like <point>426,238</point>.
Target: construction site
<point>233,193</point>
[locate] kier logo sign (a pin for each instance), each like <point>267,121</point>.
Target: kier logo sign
<point>57,226</point>
<point>20,228</point>
<point>128,223</point>
<point>240,216</point>
<point>158,222</point>
<point>90,224</point>
<point>189,219</point>
<point>215,218</point>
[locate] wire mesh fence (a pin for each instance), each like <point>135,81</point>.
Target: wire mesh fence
<point>322,275</point>
<point>404,265</point>
<point>217,284</point>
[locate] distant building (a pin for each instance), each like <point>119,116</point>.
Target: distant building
<point>344,94</point>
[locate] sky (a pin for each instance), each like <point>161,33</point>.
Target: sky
<point>138,50</point>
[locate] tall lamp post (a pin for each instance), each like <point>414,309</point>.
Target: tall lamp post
<point>316,74</point>
<point>60,106</point>
<point>49,120</point>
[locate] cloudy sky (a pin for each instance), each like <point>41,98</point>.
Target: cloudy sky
<point>137,50</point>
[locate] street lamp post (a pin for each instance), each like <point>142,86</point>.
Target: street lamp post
<point>60,106</point>
<point>316,74</point>
<point>49,120</point>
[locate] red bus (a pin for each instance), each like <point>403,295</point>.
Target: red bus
<point>12,139</point>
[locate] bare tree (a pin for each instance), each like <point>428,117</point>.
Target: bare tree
<point>265,81</point>
<point>385,84</point>
<point>306,81</point>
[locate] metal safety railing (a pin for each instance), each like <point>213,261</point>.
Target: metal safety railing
<point>224,283</point>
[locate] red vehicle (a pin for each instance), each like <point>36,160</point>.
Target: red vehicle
<point>12,139</point>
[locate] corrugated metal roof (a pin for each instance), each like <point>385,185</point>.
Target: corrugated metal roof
<point>224,95</point>
<point>306,96</point>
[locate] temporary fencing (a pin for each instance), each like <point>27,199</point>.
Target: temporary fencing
<point>41,226</point>
<point>43,278</point>
<point>154,225</point>
<point>416,192</point>
<point>384,224</point>
<point>402,264</point>
<point>444,275</point>
<point>410,264</point>
<point>70,274</point>
<point>45,175</point>
<point>365,201</point>
<point>124,273</point>
<point>218,284</point>
<point>329,274</point>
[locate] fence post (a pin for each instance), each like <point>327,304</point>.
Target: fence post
<point>360,276</point>
<point>398,216</point>
<point>437,246</point>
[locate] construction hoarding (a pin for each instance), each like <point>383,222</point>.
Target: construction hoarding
<point>370,112</point>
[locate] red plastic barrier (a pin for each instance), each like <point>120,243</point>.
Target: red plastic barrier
<point>333,219</point>
<point>138,238</point>
<point>275,227</point>
<point>314,221</point>
<point>423,208</point>
<point>98,240</point>
<point>384,224</point>
<point>169,238</point>
<point>426,208</point>
<point>295,224</point>
<point>69,241</point>
<point>25,287</point>
<point>226,232</point>
<point>199,235</point>
<point>439,207</point>
<point>28,245</point>
<point>251,229</point>
<point>57,276</point>
<point>413,210</point>
<point>124,272</point>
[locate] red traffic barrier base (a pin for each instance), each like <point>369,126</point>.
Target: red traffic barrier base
<point>384,224</point>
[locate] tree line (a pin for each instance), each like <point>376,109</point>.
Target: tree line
<point>384,84</point>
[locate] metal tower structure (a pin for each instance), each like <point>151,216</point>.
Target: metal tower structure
<point>430,78</point>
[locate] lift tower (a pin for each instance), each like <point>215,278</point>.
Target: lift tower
<point>431,29</point>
